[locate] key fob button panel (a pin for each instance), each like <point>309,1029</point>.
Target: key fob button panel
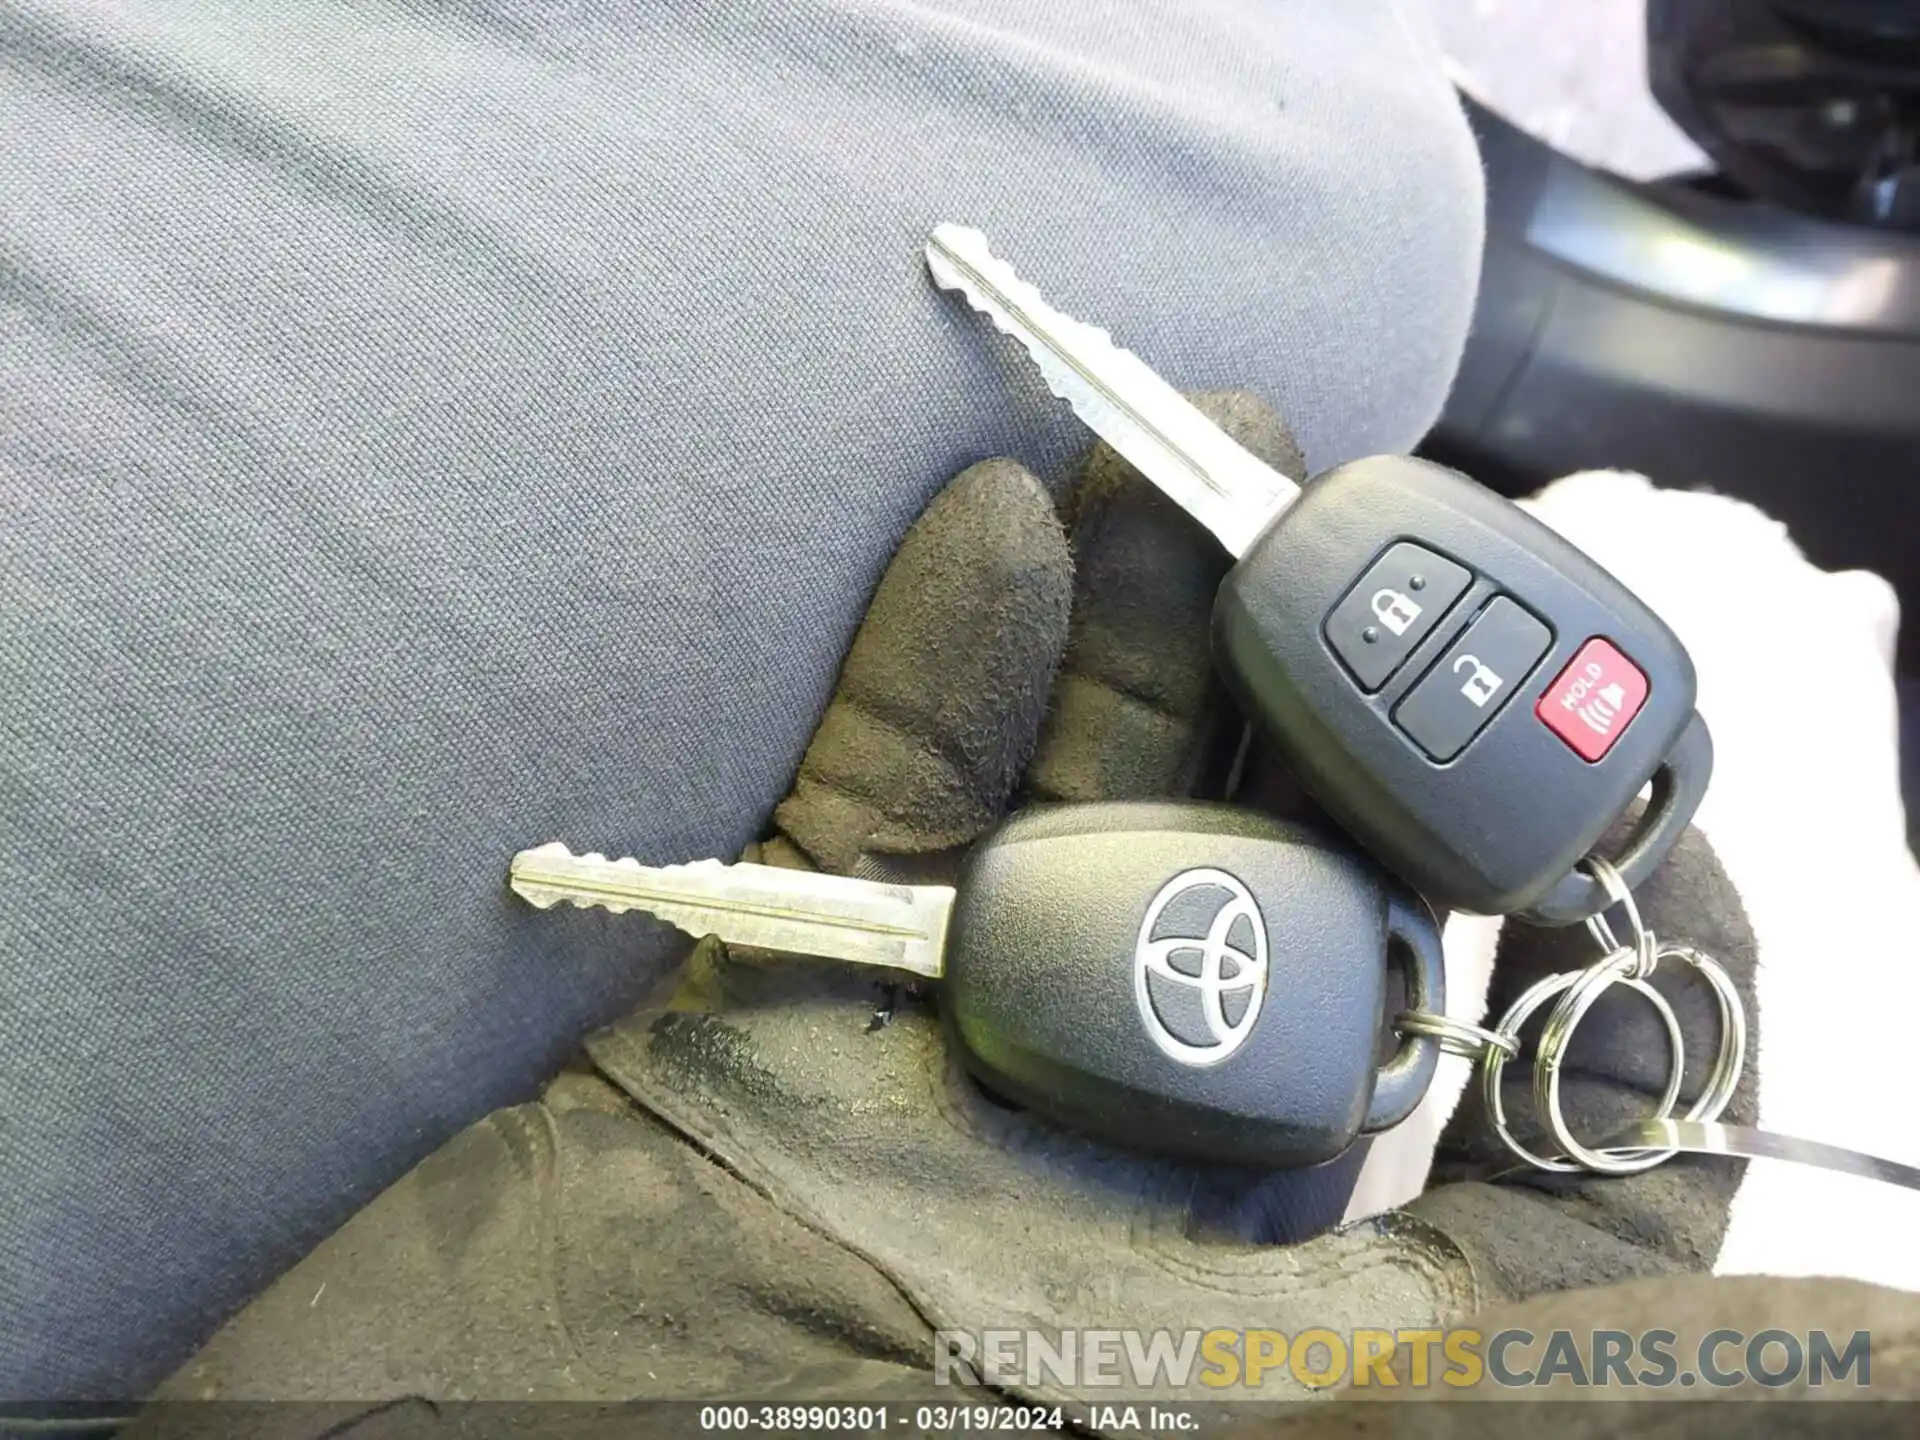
<point>1391,609</point>
<point>1591,702</point>
<point>1473,681</point>
<point>1507,821</point>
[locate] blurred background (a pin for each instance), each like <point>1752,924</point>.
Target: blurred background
<point>1703,263</point>
<point>1572,73</point>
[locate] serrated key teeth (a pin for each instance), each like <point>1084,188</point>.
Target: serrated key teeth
<point>1203,469</point>
<point>901,927</point>
<point>531,875</point>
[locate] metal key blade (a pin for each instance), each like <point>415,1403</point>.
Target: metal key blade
<point>901,927</point>
<point>1199,466</point>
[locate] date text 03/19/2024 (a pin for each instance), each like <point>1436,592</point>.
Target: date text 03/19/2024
<point>936,1419</point>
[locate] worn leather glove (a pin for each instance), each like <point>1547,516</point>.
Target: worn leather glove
<point>777,1182</point>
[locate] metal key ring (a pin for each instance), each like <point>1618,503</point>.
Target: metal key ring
<point>1588,986</point>
<point>1598,926</point>
<point>1732,1059</point>
<point>1456,1037</point>
<point>1618,968</point>
<point>1723,1080</point>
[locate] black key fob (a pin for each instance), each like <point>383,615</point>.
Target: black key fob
<point>1472,698</point>
<point>1190,980</point>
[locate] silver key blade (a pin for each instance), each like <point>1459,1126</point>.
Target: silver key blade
<point>901,927</point>
<point>1201,468</point>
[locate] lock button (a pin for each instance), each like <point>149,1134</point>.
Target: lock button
<point>1473,681</point>
<point>1385,616</point>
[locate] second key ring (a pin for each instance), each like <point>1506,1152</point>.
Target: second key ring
<point>1580,997</point>
<point>1616,969</point>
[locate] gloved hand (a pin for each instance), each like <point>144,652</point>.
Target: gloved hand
<point>777,1181</point>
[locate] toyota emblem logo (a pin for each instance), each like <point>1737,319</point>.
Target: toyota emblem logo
<point>1200,967</point>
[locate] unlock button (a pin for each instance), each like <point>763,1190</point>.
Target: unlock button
<point>1389,611</point>
<point>1469,684</point>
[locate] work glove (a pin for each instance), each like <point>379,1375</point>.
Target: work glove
<point>777,1181</point>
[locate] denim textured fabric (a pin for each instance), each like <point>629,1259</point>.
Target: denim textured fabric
<point>430,429</point>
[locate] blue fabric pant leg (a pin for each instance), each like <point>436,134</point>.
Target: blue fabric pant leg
<point>431,429</point>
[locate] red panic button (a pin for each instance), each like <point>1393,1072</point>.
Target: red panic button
<point>1594,699</point>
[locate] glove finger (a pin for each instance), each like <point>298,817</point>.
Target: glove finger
<point>1137,712</point>
<point>943,691</point>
